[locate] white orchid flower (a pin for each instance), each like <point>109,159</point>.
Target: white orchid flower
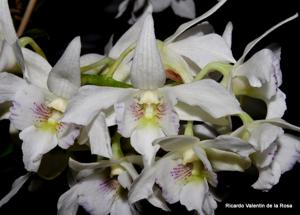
<point>260,76</point>
<point>147,112</point>
<point>182,8</point>
<point>39,105</point>
<point>186,171</point>
<point>98,189</point>
<point>275,151</point>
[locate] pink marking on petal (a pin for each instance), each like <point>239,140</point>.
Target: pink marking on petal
<point>109,185</point>
<point>181,172</point>
<point>41,112</point>
<point>137,110</point>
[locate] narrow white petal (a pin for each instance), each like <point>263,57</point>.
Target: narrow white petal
<point>64,78</point>
<point>99,137</point>
<point>9,86</point>
<point>198,30</point>
<point>204,131</point>
<point>182,28</point>
<point>184,8</point>
<point>125,180</point>
<point>159,5</point>
<point>141,140</point>
<point>203,49</point>
<point>227,34</point>
<point>37,68</point>
<point>255,41</point>
<point>36,143</point>
<point>211,97</point>
<point>176,143</point>
<point>231,144</point>
<point>281,123</point>
<point>90,100</point>
<point>130,36</point>
<point>6,23</point>
<point>263,135</point>
<point>227,161</point>
<point>16,186</point>
<point>122,8</point>
<point>147,71</point>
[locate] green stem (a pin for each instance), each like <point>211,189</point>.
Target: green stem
<point>246,119</point>
<point>223,68</point>
<point>24,41</point>
<point>116,147</point>
<point>117,63</point>
<point>101,63</point>
<point>101,80</point>
<point>189,129</point>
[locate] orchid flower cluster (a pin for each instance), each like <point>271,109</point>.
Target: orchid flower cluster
<point>157,115</point>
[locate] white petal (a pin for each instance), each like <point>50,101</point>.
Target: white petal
<point>157,200</point>
<point>227,34</point>
<point>182,28</point>
<point>263,135</point>
<point>253,42</point>
<point>89,59</point>
<point>259,68</point>
<point>90,100</point>
<point>177,64</point>
<point>203,49</point>
<point>6,23</point>
<point>28,107</point>
<point>202,156</point>
<point>170,183</point>
<point>281,123</point>
<point>130,36</point>
<point>204,131</point>
<point>125,116</point>
<point>121,205</point>
<point>227,161</point>
<point>268,177</point>
<point>184,8</point>
<point>37,68</point>
<point>211,97</point>
<point>159,5</point>
<point>125,180</point>
<point>8,59</point>
<point>231,144</point>
<point>67,134</point>
<point>16,186</point>
<point>199,30</point>
<point>9,86</point>
<point>147,71</point>
<point>67,203</point>
<point>265,158</point>
<point>194,113</point>
<point>141,140</point>
<point>276,105</point>
<point>99,137</point>
<point>288,153</point>
<point>64,78</point>
<point>194,196</point>
<point>176,143</point>
<point>36,143</point>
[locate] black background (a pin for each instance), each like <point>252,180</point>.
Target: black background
<point>57,22</point>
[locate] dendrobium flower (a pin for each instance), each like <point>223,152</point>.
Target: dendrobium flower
<point>275,151</point>
<point>188,169</point>
<point>39,105</point>
<point>98,189</point>
<point>147,112</point>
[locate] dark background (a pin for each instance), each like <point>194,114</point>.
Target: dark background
<point>55,22</point>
